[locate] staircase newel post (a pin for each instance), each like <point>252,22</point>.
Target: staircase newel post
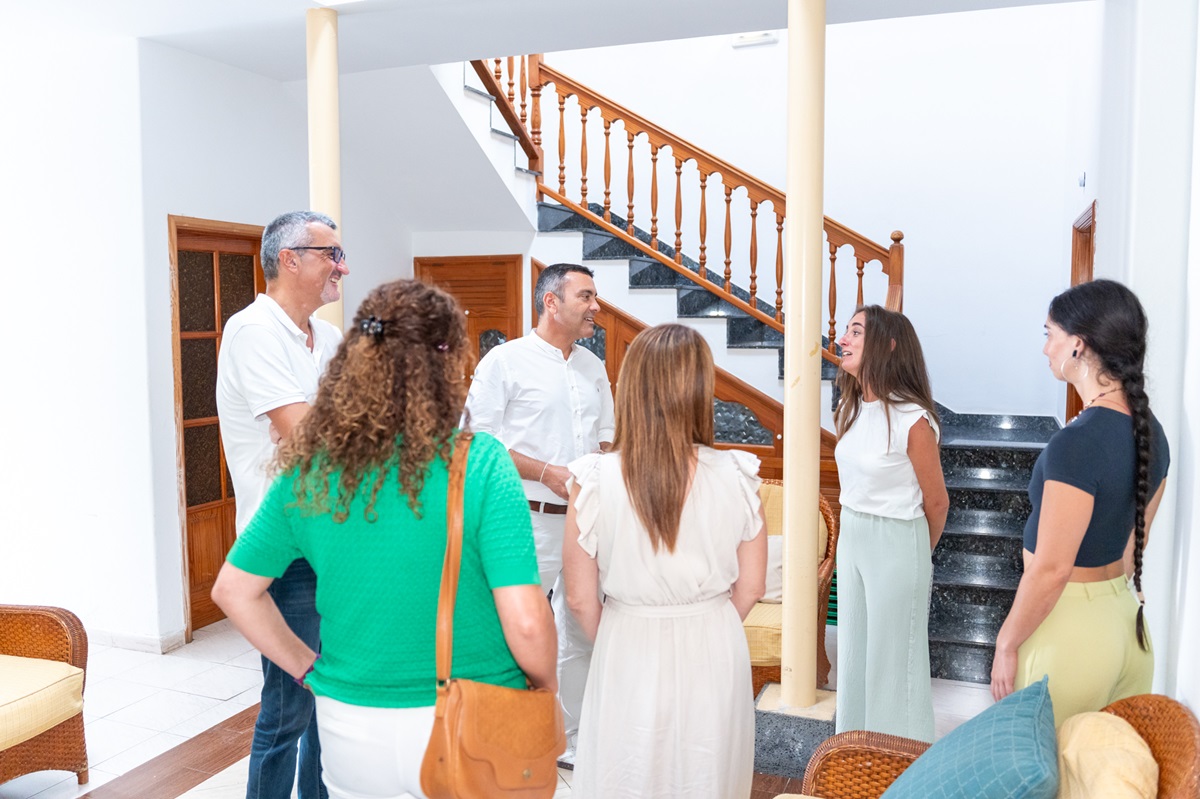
<point>895,295</point>
<point>535,114</point>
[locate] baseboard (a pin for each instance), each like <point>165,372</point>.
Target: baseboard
<point>159,645</point>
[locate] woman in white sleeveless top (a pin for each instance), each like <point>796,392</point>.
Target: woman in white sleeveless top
<point>894,505</point>
<point>670,531</point>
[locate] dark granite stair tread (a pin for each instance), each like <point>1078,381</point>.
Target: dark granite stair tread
<point>961,631</point>
<point>957,575</point>
<point>989,523</point>
<point>999,482</point>
<point>956,437</point>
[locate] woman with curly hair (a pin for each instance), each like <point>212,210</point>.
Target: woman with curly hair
<point>362,496</point>
<point>1095,489</point>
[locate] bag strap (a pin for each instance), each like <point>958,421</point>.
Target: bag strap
<point>450,567</point>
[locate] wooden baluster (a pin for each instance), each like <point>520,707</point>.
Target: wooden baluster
<point>703,226</point>
<point>629,218</point>
<point>861,264</point>
<point>499,75</point>
<point>832,296</point>
<point>678,211</point>
<point>562,145</point>
<point>607,171</point>
<point>778,266</point>
<point>753,253</point>
<point>653,196</point>
<point>524,88</point>
<point>512,73</point>
<point>728,235</point>
<point>895,292</point>
<point>583,115</point>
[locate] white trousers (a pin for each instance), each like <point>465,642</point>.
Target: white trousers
<point>574,648</point>
<point>372,752</point>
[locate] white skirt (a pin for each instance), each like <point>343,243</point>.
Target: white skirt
<point>668,710</point>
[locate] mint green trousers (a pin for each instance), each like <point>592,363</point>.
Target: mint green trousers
<point>884,574</point>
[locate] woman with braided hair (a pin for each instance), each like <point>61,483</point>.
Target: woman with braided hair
<point>1094,491</point>
<point>361,495</point>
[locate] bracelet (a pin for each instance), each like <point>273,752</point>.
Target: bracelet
<point>311,666</point>
<point>545,466</point>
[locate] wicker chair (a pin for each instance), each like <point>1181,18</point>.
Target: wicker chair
<point>861,765</point>
<point>764,674</point>
<point>50,634</point>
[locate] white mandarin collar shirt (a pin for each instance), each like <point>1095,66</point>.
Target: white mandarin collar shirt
<point>542,405</point>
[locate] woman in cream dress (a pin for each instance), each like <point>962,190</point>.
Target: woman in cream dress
<point>669,531</point>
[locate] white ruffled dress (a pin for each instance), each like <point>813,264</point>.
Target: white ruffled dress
<point>667,711</point>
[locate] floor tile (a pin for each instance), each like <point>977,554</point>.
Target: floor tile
<point>229,784</point>
<point>248,697</point>
<point>112,661</point>
<point>107,738</point>
<point>70,787</point>
<point>216,648</point>
<point>250,659</point>
<point>28,785</point>
<point>102,697</point>
<point>221,682</point>
<point>166,671</point>
<point>202,721</point>
<point>137,755</point>
<point>164,710</point>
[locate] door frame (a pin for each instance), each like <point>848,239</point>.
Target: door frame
<point>191,225</point>
<point>1083,256</point>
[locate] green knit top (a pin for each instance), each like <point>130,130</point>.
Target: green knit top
<point>377,581</point>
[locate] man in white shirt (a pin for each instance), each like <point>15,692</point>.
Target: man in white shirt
<point>273,353</point>
<point>549,400</point>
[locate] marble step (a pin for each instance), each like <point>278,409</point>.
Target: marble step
<point>955,629</point>
<point>983,478</point>
<point>960,661</point>
<point>960,456</point>
<point>1013,502</point>
<point>998,428</point>
<point>981,522</point>
<point>979,554</point>
<point>969,570</point>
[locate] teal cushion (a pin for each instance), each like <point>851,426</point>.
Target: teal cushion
<point>1008,751</point>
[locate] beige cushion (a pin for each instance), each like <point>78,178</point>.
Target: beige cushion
<point>1101,756</point>
<point>772,502</point>
<point>763,626</point>
<point>36,695</point>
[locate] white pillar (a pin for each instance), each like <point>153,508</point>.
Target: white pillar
<point>802,345</point>
<point>324,129</point>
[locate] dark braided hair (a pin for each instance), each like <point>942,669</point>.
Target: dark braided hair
<point>398,378</point>
<point>1112,323</point>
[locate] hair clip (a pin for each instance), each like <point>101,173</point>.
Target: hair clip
<point>442,346</point>
<point>372,326</point>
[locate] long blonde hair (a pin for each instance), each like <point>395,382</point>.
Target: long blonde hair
<point>664,406</point>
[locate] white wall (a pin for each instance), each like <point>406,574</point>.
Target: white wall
<point>76,520</point>
<point>217,143</point>
<point>1149,174</point>
<point>966,131</point>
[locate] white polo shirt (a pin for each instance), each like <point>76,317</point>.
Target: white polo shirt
<point>538,403</point>
<point>264,364</point>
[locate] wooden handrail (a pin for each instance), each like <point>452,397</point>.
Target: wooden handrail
<point>509,112</point>
<point>535,75</point>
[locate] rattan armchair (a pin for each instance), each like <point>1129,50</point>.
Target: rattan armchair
<point>861,765</point>
<point>763,674</point>
<point>51,634</point>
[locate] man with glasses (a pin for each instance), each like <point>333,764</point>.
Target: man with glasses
<point>273,353</point>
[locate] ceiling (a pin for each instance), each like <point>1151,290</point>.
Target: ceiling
<point>267,36</point>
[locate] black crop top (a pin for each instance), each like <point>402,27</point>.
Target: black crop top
<point>1095,453</point>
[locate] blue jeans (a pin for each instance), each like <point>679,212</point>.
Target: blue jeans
<point>288,715</point>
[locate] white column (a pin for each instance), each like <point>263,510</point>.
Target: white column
<point>324,129</point>
<point>802,342</point>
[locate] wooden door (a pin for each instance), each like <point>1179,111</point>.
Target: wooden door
<point>488,287</point>
<point>215,272</point>
<point>1083,255</point>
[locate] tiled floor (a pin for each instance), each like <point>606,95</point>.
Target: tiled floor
<point>138,706</point>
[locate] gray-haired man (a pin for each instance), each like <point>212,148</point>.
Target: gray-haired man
<point>273,353</point>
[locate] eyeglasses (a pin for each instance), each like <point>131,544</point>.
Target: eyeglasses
<point>336,254</point>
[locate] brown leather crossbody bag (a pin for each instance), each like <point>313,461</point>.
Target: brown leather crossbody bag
<point>487,741</point>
